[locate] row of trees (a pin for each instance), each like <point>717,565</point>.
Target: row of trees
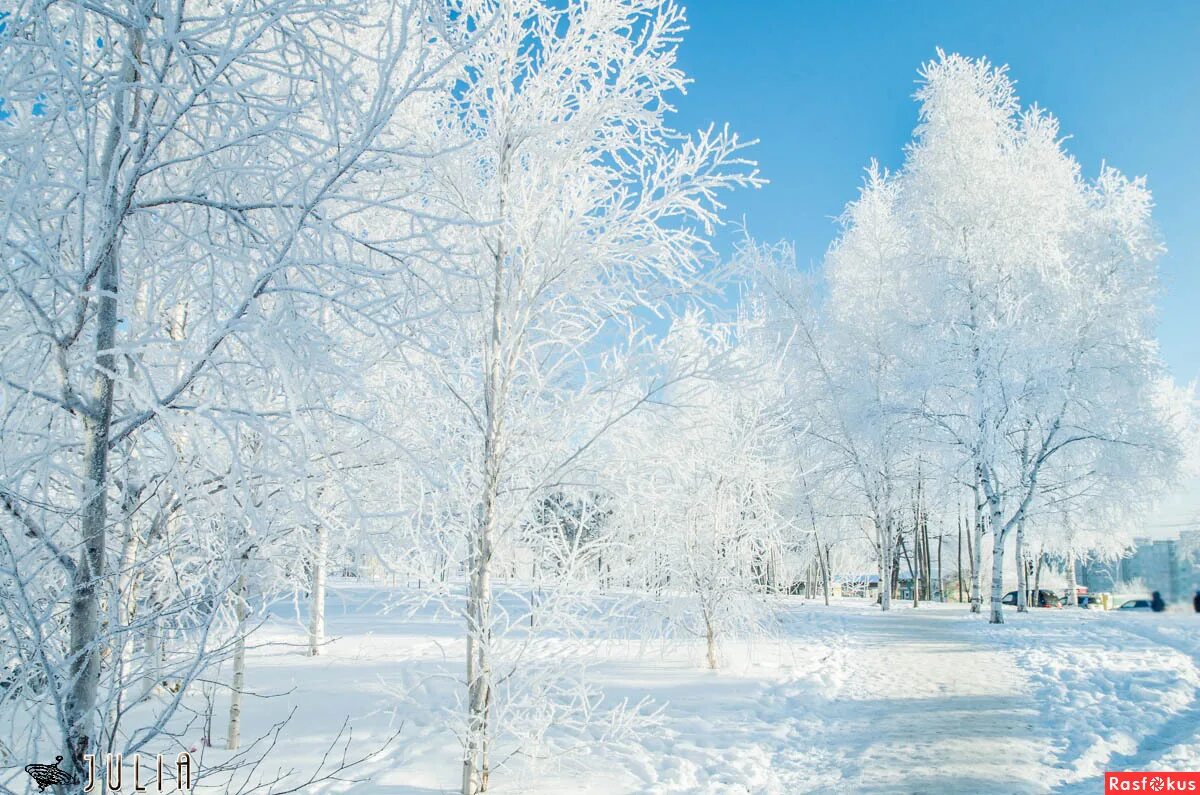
<point>295,289</point>
<point>989,331</point>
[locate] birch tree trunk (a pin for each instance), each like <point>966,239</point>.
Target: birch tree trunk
<point>125,610</point>
<point>499,356</point>
<point>316,607</point>
<point>913,569</point>
<point>958,568</point>
<point>885,567</point>
<point>85,647</point>
<point>1022,571</point>
<point>997,615</point>
<point>1072,587</point>
<point>234,734</point>
<point>998,538</point>
<point>152,643</point>
<point>940,583</point>
<point>479,662</point>
<point>824,558</point>
<point>894,585</point>
<point>977,556</point>
<point>479,597</point>
<point>152,667</point>
<point>1037,578</point>
<point>710,637</point>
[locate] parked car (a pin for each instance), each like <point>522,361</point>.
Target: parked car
<point>1136,604</point>
<point>1083,599</point>
<point>1045,599</point>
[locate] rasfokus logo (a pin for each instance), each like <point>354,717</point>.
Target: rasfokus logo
<point>1151,781</point>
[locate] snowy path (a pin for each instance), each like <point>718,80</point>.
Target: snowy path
<point>923,706</point>
<point>933,701</point>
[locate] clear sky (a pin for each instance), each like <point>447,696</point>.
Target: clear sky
<point>825,86</point>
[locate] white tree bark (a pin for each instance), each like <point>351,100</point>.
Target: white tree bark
<point>1000,535</point>
<point>479,661</point>
<point>125,607</point>
<point>316,608</point>
<point>479,598</point>
<point>1022,571</point>
<point>710,637</point>
<point>823,557</point>
<point>977,556</point>
<point>885,565</point>
<point>997,610</point>
<point>85,646</point>
<point>234,735</point>
<point>1072,587</point>
<point>1037,576</point>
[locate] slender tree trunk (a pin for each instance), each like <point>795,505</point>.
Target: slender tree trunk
<point>960,545</point>
<point>710,638</point>
<point>998,539</point>
<point>479,590</point>
<point>152,651</point>
<point>479,622</point>
<point>1022,571</point>
<point>1037,578</point>
<point>1072,587</point>
<point>824,571</point>
<point>479,665</point>
<point>316,609</point>
<point>152,641</point>
<point>152,635</point>
<point>885,567</point>
<point>927,563</point>
<point>894,585</point>
<point>977,555</point>
<point>85,647</point>
<point>912,572</point>
<point>997,614</point>
<point>241,611</point>
<point>124,613</point>
<point>940,582</point>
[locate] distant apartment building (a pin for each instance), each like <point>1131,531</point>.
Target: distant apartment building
<point>1189,563</point>
<point>1156,564</point>
<point>1097,575</point>
<point>1169,566</point>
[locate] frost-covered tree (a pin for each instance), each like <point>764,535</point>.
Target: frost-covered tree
<point>176,176</point>
<point>573,204</point>
<point>850,386</point>
<point>1022,290</point>
<point>718,475</point>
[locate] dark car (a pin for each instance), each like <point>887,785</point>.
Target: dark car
<point>1045,599</point>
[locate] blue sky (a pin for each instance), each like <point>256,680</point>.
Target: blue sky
<point>827,85</point>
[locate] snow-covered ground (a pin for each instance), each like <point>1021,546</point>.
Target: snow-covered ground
<point>840,699</point>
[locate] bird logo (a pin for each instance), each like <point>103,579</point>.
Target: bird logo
<point>45,775</point>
